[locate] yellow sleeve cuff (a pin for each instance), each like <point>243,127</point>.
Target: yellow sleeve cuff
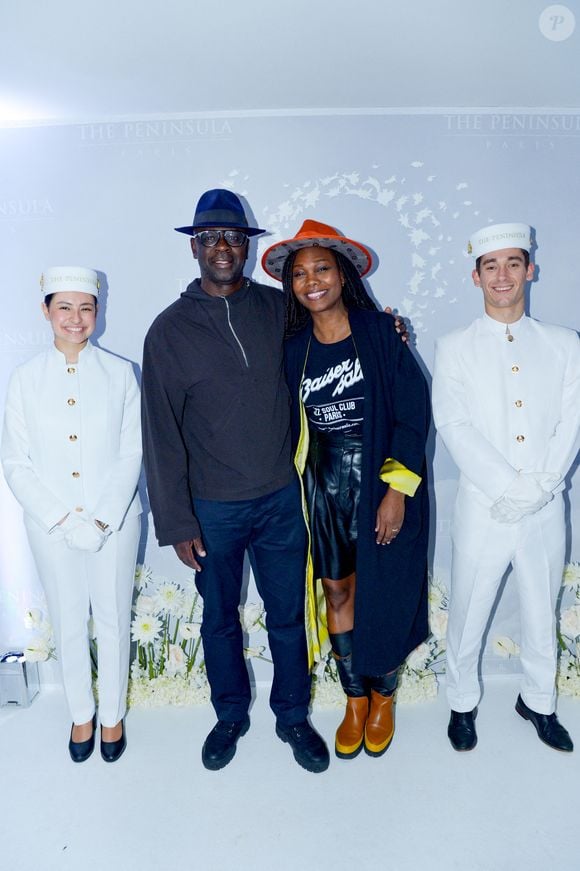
<point>399,477</point>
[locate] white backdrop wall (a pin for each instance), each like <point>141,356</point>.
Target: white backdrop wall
<point>411,186</point>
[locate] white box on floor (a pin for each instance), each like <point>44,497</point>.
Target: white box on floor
<point>19,681</point>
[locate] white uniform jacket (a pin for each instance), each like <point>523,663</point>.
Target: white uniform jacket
<point>72,438</point>
<point>503,406</point>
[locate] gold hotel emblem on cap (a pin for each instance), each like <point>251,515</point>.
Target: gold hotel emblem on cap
<point>469,248</point>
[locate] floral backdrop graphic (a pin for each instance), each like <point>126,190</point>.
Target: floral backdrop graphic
<point>168,666</point>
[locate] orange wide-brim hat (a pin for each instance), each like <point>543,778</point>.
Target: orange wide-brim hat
<point>310,235</point>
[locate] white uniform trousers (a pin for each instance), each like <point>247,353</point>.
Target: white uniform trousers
<point>482,551</point>
<point>76,584</point>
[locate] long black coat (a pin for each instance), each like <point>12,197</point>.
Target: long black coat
<point>391,580</point>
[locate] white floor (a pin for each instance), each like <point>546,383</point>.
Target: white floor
<point>511,804</point>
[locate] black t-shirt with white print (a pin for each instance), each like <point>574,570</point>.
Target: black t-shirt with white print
<point>332,387</point>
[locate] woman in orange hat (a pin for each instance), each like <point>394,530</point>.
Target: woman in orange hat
<point>360,419</point>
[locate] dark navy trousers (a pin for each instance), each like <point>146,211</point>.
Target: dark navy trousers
<point>271,529</point>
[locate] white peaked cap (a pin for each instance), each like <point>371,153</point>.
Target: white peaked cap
<point>498,236</point>
<point>60,279</point>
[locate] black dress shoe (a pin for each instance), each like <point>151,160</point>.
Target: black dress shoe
<point>548,727</point>
<point>81,750</point>
<point>111,750</point>
<point>220,745</point>
<point>309,749</point>
<point>461,730</point>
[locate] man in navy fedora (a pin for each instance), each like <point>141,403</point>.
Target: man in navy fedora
<point>220,474</point>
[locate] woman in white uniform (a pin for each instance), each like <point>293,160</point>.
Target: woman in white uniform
<point>71,454</point>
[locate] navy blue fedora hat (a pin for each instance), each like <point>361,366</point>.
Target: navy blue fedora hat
<point>219,208</point>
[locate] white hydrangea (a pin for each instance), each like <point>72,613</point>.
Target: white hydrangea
<point>180,690</point>
<point>327,694</point>
<point>568,680</point>
<point>416,687</point>
<point>438,623</point>
<point>570,622</point>
<point>418,658</point>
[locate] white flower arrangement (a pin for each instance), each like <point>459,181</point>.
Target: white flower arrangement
<point>167,689</point>
<point>41,646</point>
<point>568,678</point>
<point>570,622</point>
<point>418,678</point>
<point>168,667</point>
<point>166,628</point>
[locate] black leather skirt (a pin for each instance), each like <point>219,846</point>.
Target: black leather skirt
<point>332,485</point>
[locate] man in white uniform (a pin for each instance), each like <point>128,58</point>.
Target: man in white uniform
<point>506,402</point>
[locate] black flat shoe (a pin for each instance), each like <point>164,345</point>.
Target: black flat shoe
<point>81,750</point>
<point>309,749</point>
<point>548,727</point>
<point>111,750</point>
<point>461,730</point>
<point>220,745</point>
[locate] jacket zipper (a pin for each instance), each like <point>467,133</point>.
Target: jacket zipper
<point>234,334</point>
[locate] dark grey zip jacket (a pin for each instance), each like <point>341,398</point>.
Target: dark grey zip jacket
<point>215,406</point>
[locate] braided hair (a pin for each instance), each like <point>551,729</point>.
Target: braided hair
<point>354,294</point>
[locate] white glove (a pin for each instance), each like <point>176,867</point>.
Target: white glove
<point>524,496</point>
<point>503,512</point>
<point>86,536</point>
<point>525,491</point>
<point>60,530</point>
